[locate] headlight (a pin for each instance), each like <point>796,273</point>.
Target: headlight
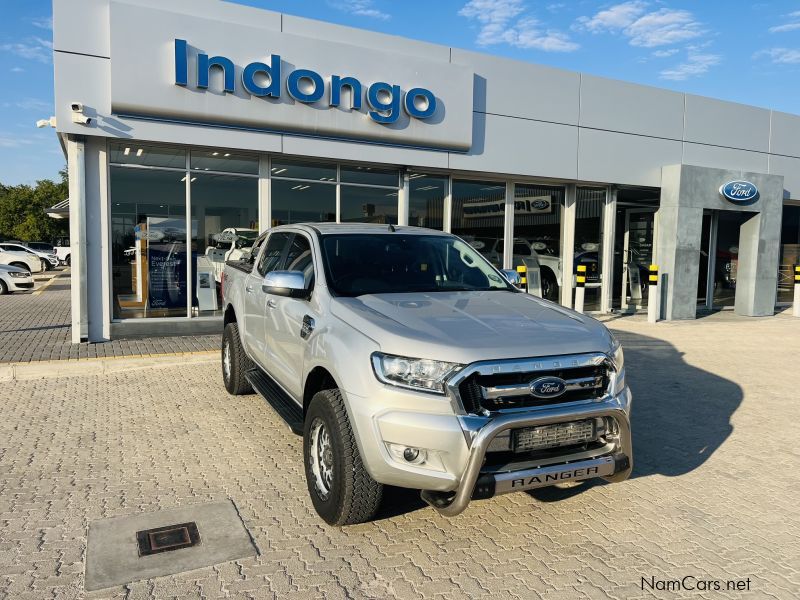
<point>16,274</point>
<point>414,373</point>
<point>618,356</point>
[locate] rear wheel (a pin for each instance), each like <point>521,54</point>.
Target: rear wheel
<point>549,286</point>
<point>341,489</point>
<point>3,288</point>
<point>235,362</point>
<point>68,260</point>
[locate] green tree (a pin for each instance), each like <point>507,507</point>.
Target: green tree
<point>22,210</point>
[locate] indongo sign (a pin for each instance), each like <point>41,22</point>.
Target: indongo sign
<point>304,85</point>
<point>739,192</point>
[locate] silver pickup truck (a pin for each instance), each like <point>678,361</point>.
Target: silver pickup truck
<point>404,358</point>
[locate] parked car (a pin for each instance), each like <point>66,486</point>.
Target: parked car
<point>41,246</point>
<point>50,260</point>
<point>62,250</point>
<point>14,279</point>
<point>22,260</point>
<point>232,243</point>
<point>404,358</point>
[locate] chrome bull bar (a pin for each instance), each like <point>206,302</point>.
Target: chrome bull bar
<point>609,407</point>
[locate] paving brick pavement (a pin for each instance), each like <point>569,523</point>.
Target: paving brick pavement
<point>36,327</point>
<point>713,496</point>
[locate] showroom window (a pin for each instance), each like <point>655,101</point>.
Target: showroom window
<point>789,252</point>
<point>590,203</point>
<point>161,267</point>
<point>426,200</point>
<point>479,216</point>
<point>302,191</point>
<point>537,234</point>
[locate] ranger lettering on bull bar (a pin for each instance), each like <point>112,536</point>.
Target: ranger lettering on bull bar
<point>404,358</point>
<point>556,477</point>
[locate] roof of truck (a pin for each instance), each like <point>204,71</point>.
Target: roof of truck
<point>368,228</point>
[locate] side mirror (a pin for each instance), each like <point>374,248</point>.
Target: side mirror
<point>286,283</point>
<point>512,277</point>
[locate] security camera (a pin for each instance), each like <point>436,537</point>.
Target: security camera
<point>77,114</point>
<point>51,122</point>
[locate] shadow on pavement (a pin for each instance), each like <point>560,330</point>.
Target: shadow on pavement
<point>681,414</point>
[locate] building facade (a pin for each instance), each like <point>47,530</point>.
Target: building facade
<point>190,129</point>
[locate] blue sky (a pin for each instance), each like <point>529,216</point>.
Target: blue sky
<point>735,50</point>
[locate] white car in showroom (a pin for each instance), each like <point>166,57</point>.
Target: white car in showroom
<point>14,279</point>
<point>22,260</point>
<point>49,259</point>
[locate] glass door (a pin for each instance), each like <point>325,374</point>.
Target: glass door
<point>637,256</point>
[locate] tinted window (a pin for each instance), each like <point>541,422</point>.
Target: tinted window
<point>396,263</point>
<point>299,258</point>
<point>257,246</point>
<point>271,258</point>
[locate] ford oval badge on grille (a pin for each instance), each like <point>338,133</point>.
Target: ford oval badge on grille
<point>548,387</point>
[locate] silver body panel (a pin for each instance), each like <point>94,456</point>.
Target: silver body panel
<point>488,332</point>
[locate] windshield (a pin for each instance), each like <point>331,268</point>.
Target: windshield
<point>396,263</point>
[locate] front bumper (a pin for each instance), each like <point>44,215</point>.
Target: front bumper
<point>614,464</point>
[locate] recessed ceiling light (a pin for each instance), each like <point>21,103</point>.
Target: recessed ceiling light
<point>184,178</point>
<point>127,151</point>
<point>193,179</point>
<point>214,153</point>
<point>227,154</point>
<point>297,187</point>
<point>139,151</point>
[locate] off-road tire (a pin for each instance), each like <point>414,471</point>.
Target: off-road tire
<point>3,288</point>
<point>238,365</point>
<point>354,496</point>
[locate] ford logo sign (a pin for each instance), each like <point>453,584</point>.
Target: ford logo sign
<point>548,387</point>
<point>739,191</point>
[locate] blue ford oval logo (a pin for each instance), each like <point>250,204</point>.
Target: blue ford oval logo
<point>548,387</point>
<point>739,191</point>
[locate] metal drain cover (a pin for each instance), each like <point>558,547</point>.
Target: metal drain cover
<point>164,539</point>
<point>135,547</point>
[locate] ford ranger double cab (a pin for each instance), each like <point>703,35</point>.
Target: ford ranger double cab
<point>404,358</point>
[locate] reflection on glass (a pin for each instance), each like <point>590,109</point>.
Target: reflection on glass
<point>589,241</point>
<point>790,252</point>
<point>368,205</point>
<point>727,257</point>
<point>478,216</point>
<point>148,243</point>
<point>222,160</point>
<point>224,227</point>
<point>133,153</point>
<point>299,202</point>
<point>426,200</point>
<point>537,234</point>
<point>303,169</point>
<point>369,175</point>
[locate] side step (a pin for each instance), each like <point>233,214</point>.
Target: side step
<point>280,401</point>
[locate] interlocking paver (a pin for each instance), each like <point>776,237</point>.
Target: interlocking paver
<point>36,327</point>
<point>713,493</point>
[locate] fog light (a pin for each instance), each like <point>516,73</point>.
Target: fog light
<point>411,454</point>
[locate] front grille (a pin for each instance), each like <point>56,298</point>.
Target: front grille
<point>477,395</point>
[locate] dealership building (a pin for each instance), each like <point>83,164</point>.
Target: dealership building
<point>191,126</point>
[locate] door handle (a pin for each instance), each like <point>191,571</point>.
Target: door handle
<point>248,289</point>
<point>271,303</point>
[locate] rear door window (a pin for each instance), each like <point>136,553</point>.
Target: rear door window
<point>271,258</point>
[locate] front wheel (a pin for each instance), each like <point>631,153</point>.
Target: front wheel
<point>3,288</point>
<point>235,362</point>
<point>549,286</point>
<point>341,489</point>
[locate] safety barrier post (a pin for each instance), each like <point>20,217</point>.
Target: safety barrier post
<point>580,287</point>
<point>523,276</point>
<point>652,295</point>
<point>796,305</point>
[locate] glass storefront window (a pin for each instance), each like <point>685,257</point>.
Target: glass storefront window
<point>224,227</point>
<point>426,200</point>
<point>478,216</point>
<point>790,252</point>
<point>537,234</point>
<point>299,202</point>
<point>132,153</point>
<point>301,169</point>
<point>589,206</point>
<point>222,160</point>
<point>148,243</point>
<point>368,204</point>
<point>370,175</point>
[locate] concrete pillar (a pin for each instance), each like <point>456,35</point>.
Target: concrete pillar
<point>757,271</point>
